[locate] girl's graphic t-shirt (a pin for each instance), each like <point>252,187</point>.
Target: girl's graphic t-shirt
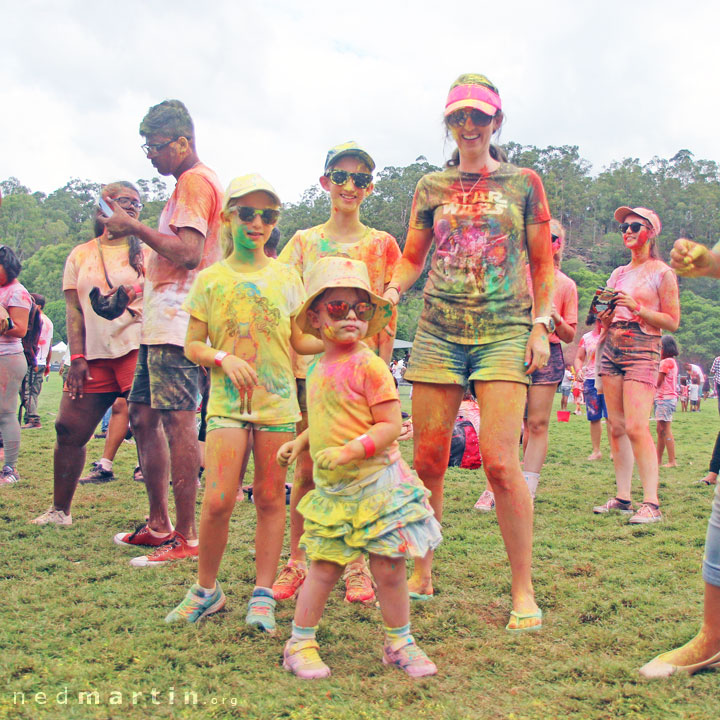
<point>13,295</point>
<point>248,315</point>
<point>589,341</point>
<point>340,395</point>
<point>476,292</point>
<point>668,389</point>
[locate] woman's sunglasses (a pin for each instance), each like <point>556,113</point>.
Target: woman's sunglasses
<point>633,227</point>
<point>339,310</point>
<point>247,214</point>
<point>340,177</point>
<point>459,117</point>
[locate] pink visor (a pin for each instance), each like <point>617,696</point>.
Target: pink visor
<point>473,96</point>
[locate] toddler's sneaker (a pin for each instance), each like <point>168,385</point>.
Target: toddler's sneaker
<point>358,585</point>
<point>301,658</point>
<point>405,654</point>
<point>9,475</point>
<point>614,505</point>
<point>646,513</point>
<point>196,606</point>
<point>141,536</point>
<point>261,613</point>
<point>97,474</point>
<point>289,581</point>
<point>486,502</point>
<point>53,516</point>
<point>174,548</point>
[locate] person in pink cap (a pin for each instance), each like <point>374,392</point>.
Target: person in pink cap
<point>487,219</point>
<point>645,303</point>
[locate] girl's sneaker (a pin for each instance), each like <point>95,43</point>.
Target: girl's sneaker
<point>301,658</point>
<point>196,606</point>
<point>486,502</point>
<point>405,654</point>
<point>261,613</point>
<point>9,475</point>
<point>289,581</point>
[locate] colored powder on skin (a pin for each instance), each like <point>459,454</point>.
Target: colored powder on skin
<point>242,242</point>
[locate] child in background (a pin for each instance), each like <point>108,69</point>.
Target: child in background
<point>348,180</point>
<point>684,394</point>
<point>577,389</point>
<point>245,304</point>
<point>666,399</point>
<point>366,499</point>
<point>694,395</point>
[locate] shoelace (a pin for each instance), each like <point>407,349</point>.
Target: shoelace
<point>258,606</point>
<point>166,547</point>
<point>288,575</point>
<point>358,580</point>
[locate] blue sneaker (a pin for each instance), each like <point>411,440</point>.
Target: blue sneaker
<point>261,613</point>
<point>196,606</point>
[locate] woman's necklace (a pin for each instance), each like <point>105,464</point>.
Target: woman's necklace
<point>465,193</point>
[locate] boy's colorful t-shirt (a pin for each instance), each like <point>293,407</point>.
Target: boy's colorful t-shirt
<point>642,283</point>
<point>13,295</point>
<point>248,315</point>
<point>84,271</point>
<point>340,395</point>
<point>377,249</point>
<point>195,203</point>
<point>668,389</point>
<point>476,291</point>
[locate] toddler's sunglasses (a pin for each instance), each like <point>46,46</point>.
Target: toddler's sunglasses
<point>247,214</point>
<point>633,227</point>
<point>339,310</point>
<point>458,118</point>
<point>340,177</point>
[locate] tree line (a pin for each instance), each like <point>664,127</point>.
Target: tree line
<point>683,190</point>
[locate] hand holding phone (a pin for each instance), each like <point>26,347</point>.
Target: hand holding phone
<point>106,210</point>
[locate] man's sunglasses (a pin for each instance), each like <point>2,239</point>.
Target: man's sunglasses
<point>247,214</point>
<point>339,310</point>
<point>148,148</point>
<point>459,117</point>
<point>340,177</point>
<point>633,227</point>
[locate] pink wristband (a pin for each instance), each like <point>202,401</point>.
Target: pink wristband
<point>77,357</point>
<point>220,357</point>
<point>368,443</point>
<point>137,287</point>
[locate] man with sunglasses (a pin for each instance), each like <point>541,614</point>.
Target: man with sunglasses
<point>348,179</point>
<point>164,396</point>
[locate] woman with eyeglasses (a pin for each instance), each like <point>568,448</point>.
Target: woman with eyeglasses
<point>103,351</point>
<point>487,218</point>
<point>15,306</point>
<point>644,303</point>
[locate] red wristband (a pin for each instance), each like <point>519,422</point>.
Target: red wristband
<point>368,443</point>
<point>220,357</point>
<point>138,288</point>
<point>77,357</point>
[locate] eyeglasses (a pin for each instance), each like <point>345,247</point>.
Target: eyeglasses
<point>126,202</point>
<point>247,214</point>
<point>147,148</point>
<point>633,227</point>
<point>340,177</point>
<point>339,310</point>
<point>459,118</point>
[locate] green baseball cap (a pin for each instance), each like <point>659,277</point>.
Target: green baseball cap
<point>348,148</point>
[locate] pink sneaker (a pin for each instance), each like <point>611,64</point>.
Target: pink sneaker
<point>486,502</point>
<point>406,655</point>
<point>303,660</point>
<point>646,513</point>
<point>614,505</point>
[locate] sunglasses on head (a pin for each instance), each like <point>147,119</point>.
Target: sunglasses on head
<point>247,214</point>
<point>340,177</point>
<point>339,310</point>
<point>459,117</point>
<point>633,227</point>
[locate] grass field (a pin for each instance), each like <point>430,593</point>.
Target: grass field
<point>76,617</point>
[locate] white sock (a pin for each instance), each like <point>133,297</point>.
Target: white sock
<point>106,464</point>
<point>532,479</point>
<point>207,592</point>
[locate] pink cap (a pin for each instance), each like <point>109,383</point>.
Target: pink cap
<point>622,212</point>
<point>473,96</point>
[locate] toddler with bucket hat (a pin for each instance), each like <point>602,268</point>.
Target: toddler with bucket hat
<point>366,498</point>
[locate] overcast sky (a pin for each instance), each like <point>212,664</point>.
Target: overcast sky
<point>272,85</point>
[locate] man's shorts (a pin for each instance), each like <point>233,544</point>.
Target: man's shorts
<point>165,379</point>
<point>438,361</point>
<point>631,353</point>
<point>302,394</point>
<point>565,390</point>
<point>594,402</point>
<point>664,409</point>
<point>217,422</point>
<point>111,375</point>
<point>554,371</point>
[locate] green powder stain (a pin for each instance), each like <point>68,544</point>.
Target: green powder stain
<point>222,496</point>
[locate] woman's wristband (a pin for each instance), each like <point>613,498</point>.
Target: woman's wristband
<point>138,288</point>
<point>395,287</point>
<point>368,443</point>
<point>77,357</point>
<point>219,357</point>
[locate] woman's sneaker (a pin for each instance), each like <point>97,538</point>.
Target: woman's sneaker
<point>486,502</point>
<point>97,474</point>
<point>647,513</point>
<point>405,654</point>
<point>9,475</point>
<point>53,516</point>
<point>196,605</point>
<point>614,505</point>
<point>301,657</point>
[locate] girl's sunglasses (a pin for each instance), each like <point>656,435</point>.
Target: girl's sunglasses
<point>247,214</point>
<point>340,177</point>
<point>459,117</point>
<point>633,227</point>
<point>339,310</point>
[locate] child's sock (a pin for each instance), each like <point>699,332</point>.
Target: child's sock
<point>394,636</point>
<point>193,543</point>
<point>532,479</point>
<point>260,591</point>
<point>302,633</point>
<point>105,464</point>
<point>203,591</point>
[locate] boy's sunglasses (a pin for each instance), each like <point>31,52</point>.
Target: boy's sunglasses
<point>340,177</point>
<point>247,214</point>
<point>339,310</point>
<point>459,117</point>
<point>633,227</point>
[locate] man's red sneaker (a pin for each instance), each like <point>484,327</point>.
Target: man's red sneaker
<point>141,536</point>
<point>176,548</point>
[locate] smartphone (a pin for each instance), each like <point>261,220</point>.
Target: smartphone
<point>105,208</point>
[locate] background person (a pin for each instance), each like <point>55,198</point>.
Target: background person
<point>33,383</point>
<point>666,399</point>
<point>714,467</point>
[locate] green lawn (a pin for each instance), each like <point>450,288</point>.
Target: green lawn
<point>76,616</point>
